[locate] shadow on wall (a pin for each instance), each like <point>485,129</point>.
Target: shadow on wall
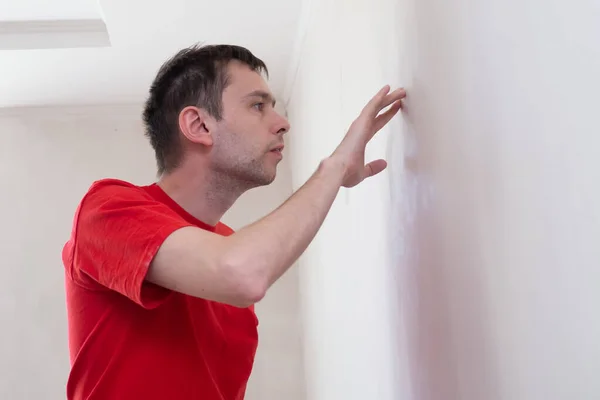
<point>441,288</point>
<point>433,183</point>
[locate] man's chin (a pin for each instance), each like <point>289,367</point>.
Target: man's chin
<point>268,176</point>
<point>259,181</point>
<point>267,180</point>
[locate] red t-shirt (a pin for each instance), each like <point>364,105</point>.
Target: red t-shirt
<point>130,339</point>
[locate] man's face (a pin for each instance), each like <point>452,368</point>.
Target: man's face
<point>249,131</point>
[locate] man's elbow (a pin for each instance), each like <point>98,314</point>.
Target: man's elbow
<point>249,296</point>
<point>248,287</point>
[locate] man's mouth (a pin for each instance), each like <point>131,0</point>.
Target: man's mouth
<point>277,149</point>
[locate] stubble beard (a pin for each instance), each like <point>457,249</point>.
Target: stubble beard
<point>240,167</point>
<point>244,173</point>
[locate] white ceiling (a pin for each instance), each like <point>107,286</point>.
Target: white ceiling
<point>141,35</point>
<point>24,10</point>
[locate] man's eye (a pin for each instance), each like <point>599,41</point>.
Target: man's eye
<point>259,106</point>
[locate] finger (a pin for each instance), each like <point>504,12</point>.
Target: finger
<point>396,95</point>
<point>384,118</point>
<point>372,107</point>
<point>385,101</point>
<point>374,167</point>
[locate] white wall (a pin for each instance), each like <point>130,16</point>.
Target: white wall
<point>503,113</point>
<point>48,159</point>
<point>350,308</point>
<point>494,188</point>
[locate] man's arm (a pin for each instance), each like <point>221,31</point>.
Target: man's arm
<point>238,269</point>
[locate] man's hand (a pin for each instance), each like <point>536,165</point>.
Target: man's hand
<point>351,151</point>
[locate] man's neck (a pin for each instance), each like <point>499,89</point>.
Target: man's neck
<point>205,196</point>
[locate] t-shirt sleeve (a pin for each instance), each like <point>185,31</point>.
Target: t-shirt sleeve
<point>118,230</point>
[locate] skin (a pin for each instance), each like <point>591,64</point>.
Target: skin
<point>225,158</point>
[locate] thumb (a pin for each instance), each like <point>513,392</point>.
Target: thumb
<point>374,167</point>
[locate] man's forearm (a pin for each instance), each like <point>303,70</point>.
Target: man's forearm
<point>264,250</point>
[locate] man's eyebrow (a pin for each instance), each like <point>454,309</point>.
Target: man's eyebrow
<point>265,96</point>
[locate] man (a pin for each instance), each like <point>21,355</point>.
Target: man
<point>160,294</point>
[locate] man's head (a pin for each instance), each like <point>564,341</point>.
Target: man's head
<point>211,103</point>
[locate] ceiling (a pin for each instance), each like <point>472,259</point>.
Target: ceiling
<point>79,52</point>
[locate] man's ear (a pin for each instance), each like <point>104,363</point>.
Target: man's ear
<point>197,125</point>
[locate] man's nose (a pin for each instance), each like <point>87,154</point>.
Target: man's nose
<point>282,125</point>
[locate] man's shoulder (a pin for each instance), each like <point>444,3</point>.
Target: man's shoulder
<point>114,186</point>
<point>109,194</point>
<point>112,190</point>
<point>97,197</point>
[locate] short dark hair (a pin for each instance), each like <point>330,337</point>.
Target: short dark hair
<point>195,76</point>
